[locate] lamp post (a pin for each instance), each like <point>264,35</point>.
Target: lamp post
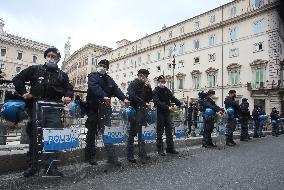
<point>173,65</point>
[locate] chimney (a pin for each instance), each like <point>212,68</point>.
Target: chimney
<point>122,43</point>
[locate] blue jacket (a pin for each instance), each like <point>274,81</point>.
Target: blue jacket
<point>162,98</point>
<point>100,86</point>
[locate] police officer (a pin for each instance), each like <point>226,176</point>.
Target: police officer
<point>48,82</point>
<point>255,114</point>
<point>162,98</point>
<point>231,124</point>
<point>140,95</point>
<point>209,121</point>
<point>274,116</point>
<point>189,118</point>
<point>261,122</point>
<point>245,116</point>
<point>101,87</point>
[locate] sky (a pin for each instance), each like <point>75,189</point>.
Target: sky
<point>101,22</point>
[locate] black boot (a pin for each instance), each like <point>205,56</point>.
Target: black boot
<point>228,141</point>
<point>161,150</point>
<point>211,144</point>
<point>31,171</point>
<point>171,148</point>
<point>52,170</point>
<point>92,160</point>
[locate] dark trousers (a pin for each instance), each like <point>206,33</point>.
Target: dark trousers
<point>275,129</point>
<point>164,125</point>
<point>230,128</point>
<point>208,129</point>
<point>96,123</point>
<point>47,118</point>
<point>136,129</point>
<point>244,129</point>
<point>256,128</point>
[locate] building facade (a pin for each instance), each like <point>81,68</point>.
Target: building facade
<point>236,46</point>
<point>16,54</point>
<point>81,63</point>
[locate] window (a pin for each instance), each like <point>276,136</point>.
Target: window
<point>3,52</point>
<point>258,47</point>
<point>233,34</point>
<point>170,34</point>
<point>233,11</point>
<point>257,27</point>
<point>196,82</point>
<point>148,58</point>
<point>86,61</point>
<point>196,60</point>
<point>180,83</point>
<point>158,55</point>
<point>18,69</point>
<point>20,56</point>
<point>159,39</point>
<point>212,40</point>
<point>131,63</point>
<point>196,44</point>
<point>280,49</point>
<point>124,75</point>
<point>139,61</point>
<point>169,84</point>
<point>212,19</point>
<point>117,77</point>
<point>2,66</point>
<point>234,77</point>
<point>182,30</point>
<point>180,64</point>
<point>212,57</point>
<point>34,59</point>
<point>181,49</point>
<point>169,65</point>
<point>258,3</point>
<point>197,25</point>
<point>212,81</point>
<point>158,68</point>
<point>150,41</point>
<point>131,74</point>
<point>259,77</point>
<point>234,52</point>
<point>170,52</point>
<point>94,61</point>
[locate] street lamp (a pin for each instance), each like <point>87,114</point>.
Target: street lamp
<point>174,65</point>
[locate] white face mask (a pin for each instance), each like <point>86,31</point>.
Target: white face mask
<point>51,63</point>
<point>101,70</point>
<point>161,85</point>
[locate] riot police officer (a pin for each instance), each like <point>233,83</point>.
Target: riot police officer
<point>255,115</point>
<point>262,121</point>
<point>48,82</point>
<point>140,95</point>
<point>101,87</point>
<point>209,103</point>
<point>189,118</point>
<point>244,117</point>
<point>231,124</point>
<point>274,116</point>
<point>162,98</point>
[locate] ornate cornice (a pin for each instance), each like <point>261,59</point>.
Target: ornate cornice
<point>259,63</point>
<point>211,71</point>
<point>233,66</point>
<point>196,72</point>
